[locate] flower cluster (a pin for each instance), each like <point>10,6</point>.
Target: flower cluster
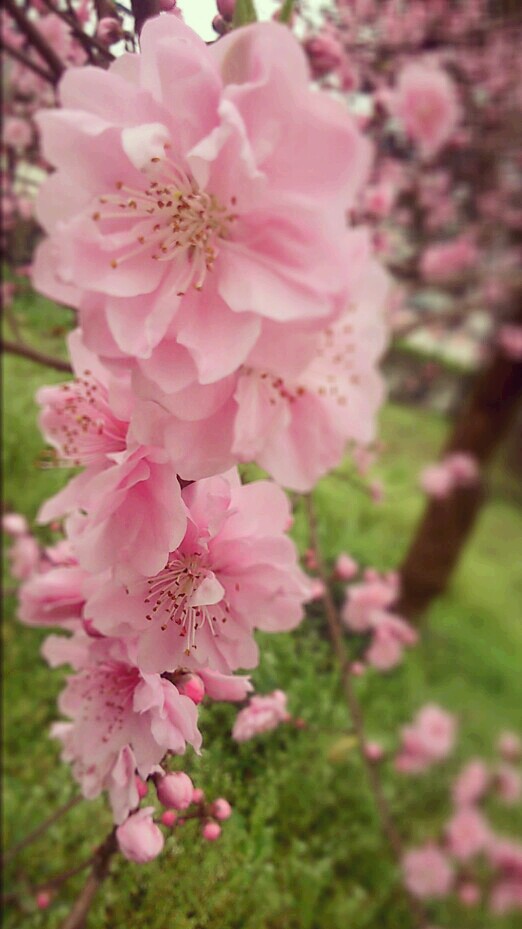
<point>471,859</point>
<point>227,313</point>
<point>367,612</point>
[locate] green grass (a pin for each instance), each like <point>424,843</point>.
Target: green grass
<point>302,850</point>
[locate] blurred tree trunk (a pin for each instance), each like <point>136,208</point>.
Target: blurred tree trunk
<point>446,524</point>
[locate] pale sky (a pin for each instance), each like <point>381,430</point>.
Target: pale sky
<point>199,14</point>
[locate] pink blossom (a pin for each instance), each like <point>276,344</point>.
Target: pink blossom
<point>325,53</point>
<point>467,833</point>
<point>508,783</point>
<point>510,341</point>
<point>139,838</point>
<point>221,809</point>
<point>53,598</point>
<point>469,894</point>
<point>234,571</point>
<point>509,746</point>
<point>213,147</point>
<point>43,899</point>
<point>374,751</point>
<point>15,524</point>
<point>366,601</point>
<point>226,9</point>
<point>427,105</point>
<point>211,832</point>
<point>506,896</point>
<point>292,407</point>
<point>17,133</point>
<point>345,567</point>
<point>168,818</point>
<point>464,468</point>
<point>262,714</point>
<point>122,721</point>
<point>191,685</point>
<point>427,872</point>
<point>175,790</point>
<point>198,795</point>
<point>230,687</point>
<point>109,30</point>
<point>428,740</point>
<point>24,556</point>
<point>391,634</point>
<point>437,481</point>
<point>472,783</point>
<point>317,589</point>
<point>447,259</point>
<point>141,787</point>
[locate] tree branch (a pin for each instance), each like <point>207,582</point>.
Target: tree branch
<point>100,869</point>
<point>35,38</point>
<point>28,62</point>
<point>25,351</point>
<point>387,823</point>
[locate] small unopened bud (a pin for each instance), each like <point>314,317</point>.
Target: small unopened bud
<point>109,30</point>
<point>198,795</point>
<point>469,894</point>
<point>227,9</point>
<point>324,53</point>
<point>211,832</point>
<point>14,524</point>
<point>373,751</point>
<point>219,25</point>
<point>139,838</point>
<point>221,809</point>
<point>345,567</point>
<point>357,668</point>
<point>168,818</point>
<point>141,787</point>
<point>43,899</point>
<point>190,685</point>
<point>175,790</point>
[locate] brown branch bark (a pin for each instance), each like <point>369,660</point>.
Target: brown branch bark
<point>386,820</point>
<point>35,38</point>
<point>25,351</point>
<point>100,869</point>
<point>27,62</point>
<point>446,525</point>
<point>43,827</point>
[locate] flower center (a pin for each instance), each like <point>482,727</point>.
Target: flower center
<point>172,218</point>
<point>187,594</point>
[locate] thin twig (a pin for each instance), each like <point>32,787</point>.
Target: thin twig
<point>100,869</point>
<point>43,827</point>
<point>54,881</point>
<point>35,38</point>
<point>387,823</point>
<point>27,62</point>
<point>25,351</point>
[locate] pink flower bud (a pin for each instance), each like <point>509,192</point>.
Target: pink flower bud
<point>175,790</point>
<point>509,744</point>
<point>219,25</point>
<point>14,524</point>
<point>373,751</point>
<point>226,8</point>
<point>345,567</point>
<point>310,559</point>
<point>141,787</point>
<point>211,832</point>
<point>198,795</point>
<point>324,54</point>
<point>221,809</point>
<point>109,30</point>
<point>139,838</point>
<point>469,894</point>
<point>317,589</point>
<point>43,899</point>
<point>357,668</point>
<point>168,818</point>
<point>190,685</point>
